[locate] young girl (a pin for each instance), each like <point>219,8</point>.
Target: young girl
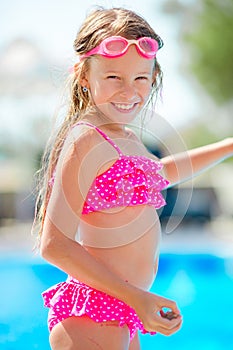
<point>98,219</point>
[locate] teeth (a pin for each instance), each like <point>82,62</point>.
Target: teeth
<point>121,106</point>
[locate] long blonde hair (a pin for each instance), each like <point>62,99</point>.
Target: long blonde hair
<point>99,24</point>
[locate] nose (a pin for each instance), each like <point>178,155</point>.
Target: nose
<point>128,91</point>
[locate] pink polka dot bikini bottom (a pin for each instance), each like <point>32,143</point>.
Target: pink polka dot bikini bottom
<point>74,298</point>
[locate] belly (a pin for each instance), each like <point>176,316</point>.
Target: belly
<point>126,241</point>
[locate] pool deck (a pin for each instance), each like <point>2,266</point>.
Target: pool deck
<point>214,238</point>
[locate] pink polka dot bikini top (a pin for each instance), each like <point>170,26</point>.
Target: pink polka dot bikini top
<point>130,181</point>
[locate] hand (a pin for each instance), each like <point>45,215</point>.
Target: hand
<point>149,309</point>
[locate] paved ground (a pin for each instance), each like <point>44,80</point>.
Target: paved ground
<point>214,238</point>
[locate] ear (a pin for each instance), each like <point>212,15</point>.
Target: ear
<point>84,83</point>
<point>81,74</point>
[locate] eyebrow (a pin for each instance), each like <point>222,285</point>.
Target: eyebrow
<point>118,72</point>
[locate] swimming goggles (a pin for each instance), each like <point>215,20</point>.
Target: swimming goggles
<point>116,46</point>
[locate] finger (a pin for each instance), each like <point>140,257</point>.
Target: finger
<point>170,304</point>
<point>168,332</point>
<point>172,329</point>
<point>163,326</point>
<point>169,315</point>
<point>166,323</point>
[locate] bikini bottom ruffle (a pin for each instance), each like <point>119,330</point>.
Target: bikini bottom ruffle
<point>74,298</point>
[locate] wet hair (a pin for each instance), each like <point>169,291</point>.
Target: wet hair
<point>98,25</point>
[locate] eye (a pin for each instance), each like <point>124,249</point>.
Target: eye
<point>142,78</point>
<point>112,77</point>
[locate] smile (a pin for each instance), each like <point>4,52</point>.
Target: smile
<point>124,107</point>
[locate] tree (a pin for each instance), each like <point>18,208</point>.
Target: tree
<point>211,46</point>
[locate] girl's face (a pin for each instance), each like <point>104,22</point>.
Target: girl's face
<point>120,86</point>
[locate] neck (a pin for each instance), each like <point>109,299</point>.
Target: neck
<point>115,127</point>
<point>104,123</point>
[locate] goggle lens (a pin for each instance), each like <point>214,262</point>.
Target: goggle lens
<point>115,46</point>
<point>147,45</point>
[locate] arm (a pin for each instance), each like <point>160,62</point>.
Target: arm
<point>72,258</point>
<point>183,166</point>
<point>59,247</point>
<point>64,210</point>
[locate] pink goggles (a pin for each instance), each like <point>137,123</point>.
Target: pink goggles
<point>116,46</point>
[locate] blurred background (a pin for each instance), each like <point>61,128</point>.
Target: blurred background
<point>196,108</point>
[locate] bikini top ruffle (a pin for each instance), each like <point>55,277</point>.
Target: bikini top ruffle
<point>130,181</point>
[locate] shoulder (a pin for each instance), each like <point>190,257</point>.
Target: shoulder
<point>78,163</point>
<point>82,138</point>
<point>78,143</point>
<point>88,151</point>
<point>81,135</point>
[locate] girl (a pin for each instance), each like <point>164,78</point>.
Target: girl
<point>98,219</point>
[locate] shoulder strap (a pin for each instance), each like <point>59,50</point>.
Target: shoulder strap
<point>106,137</point>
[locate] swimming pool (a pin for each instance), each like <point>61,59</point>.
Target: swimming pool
<point>202,285</point>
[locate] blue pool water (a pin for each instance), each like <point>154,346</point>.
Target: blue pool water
<point>201,284</point>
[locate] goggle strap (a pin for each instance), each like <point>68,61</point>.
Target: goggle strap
<point>147,54</point>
